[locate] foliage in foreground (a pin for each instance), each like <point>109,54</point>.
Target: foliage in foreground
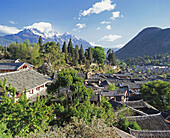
<point>4,131</point>
<point>24,117</point>
<point>96,128</point>
<point>157,93</point>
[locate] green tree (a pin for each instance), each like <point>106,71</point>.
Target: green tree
<point>157,93</point>
<point>81,54</point>
<point>68,79</point>
<point>112,87</point>
<point>40,44</point>
<point>52,54</point>
<point>24,117</point>
<point>70,48</point>
<point>87,65</point>
<point>99,54</point>
<point>27,42</point>
<point>70,90</point>
<point>64,50</point>
<point>58,45</point>
<point>4,131</point>
<point>111,57</point>
<point>90,55</point>
<point>34,54</point>
<point>77,53</point>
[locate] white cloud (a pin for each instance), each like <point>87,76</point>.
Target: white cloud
<point>74,29</point>
<point>12,22</point>
<point>110,37</point>
<point>115,15</point>
<point>44,27</point>
<point>104,5</point>
<point>121,15</point>
<point>118,46</point>
<point>108,27</point>
<point>115,46</point>
<point>98,28</point>
<point>105,22</point>
<point>94,44</point>
<point>8,30</point>
<point>41,26</point>
<point>80,26</point>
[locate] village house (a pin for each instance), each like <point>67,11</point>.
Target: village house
<point>117,95</point>
<point>27,79</point>
<point>10,67</point>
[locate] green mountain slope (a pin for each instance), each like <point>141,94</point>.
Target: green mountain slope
<point>149,41</point>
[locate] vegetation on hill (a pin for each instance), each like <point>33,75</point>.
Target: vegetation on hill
<point>149,41</point>
<point>50,53</point>
<point>160,59</point>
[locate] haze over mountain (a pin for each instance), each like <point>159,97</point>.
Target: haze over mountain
<point>149,41</point>
<point>46,31</point>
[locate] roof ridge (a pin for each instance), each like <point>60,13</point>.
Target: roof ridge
<point>1,74</point>
<point>149,130</point>
<point>144,116</point>
<point>133,101</point>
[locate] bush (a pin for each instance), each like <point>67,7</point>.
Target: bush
<point>134,125</point>
<point>96,128</point>
<point>112,87</point>
<point>4,131</point>
<point>110,72</point>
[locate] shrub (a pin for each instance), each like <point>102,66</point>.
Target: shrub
<point>96,128</point>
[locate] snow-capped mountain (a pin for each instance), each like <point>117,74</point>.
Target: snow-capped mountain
<point>39,29</point>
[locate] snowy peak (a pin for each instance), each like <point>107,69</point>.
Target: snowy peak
<point>45,30</point>
<point>42,29</point>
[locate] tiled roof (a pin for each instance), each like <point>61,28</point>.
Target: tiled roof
<point>108,93</point>
<point>136,104</point>
<point>150,133</point>
<point>24,79</point>
<point>10,66</point>
<point>150,122</point>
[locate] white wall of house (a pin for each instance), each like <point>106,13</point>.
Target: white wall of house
<point>35,91</point>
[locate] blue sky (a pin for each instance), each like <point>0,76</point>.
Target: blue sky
<point>109,23</point>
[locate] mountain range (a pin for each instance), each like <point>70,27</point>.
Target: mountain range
<point>149,41</point>
<point>33,35</point>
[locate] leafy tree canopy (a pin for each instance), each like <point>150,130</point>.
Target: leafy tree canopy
<point>157,93</point>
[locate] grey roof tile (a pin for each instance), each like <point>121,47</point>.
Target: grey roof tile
<point>24,79</point>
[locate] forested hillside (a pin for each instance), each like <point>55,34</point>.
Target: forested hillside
<point>149,41</point>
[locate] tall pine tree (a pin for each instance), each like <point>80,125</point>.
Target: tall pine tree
<point>40,44</point>
<point>82,56</point>
<point>90,55</point>
<point>111,57</point>
<point>64,49</point>
<point>70,48</point>
<point>114,58</point>
<point>77,52</point>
